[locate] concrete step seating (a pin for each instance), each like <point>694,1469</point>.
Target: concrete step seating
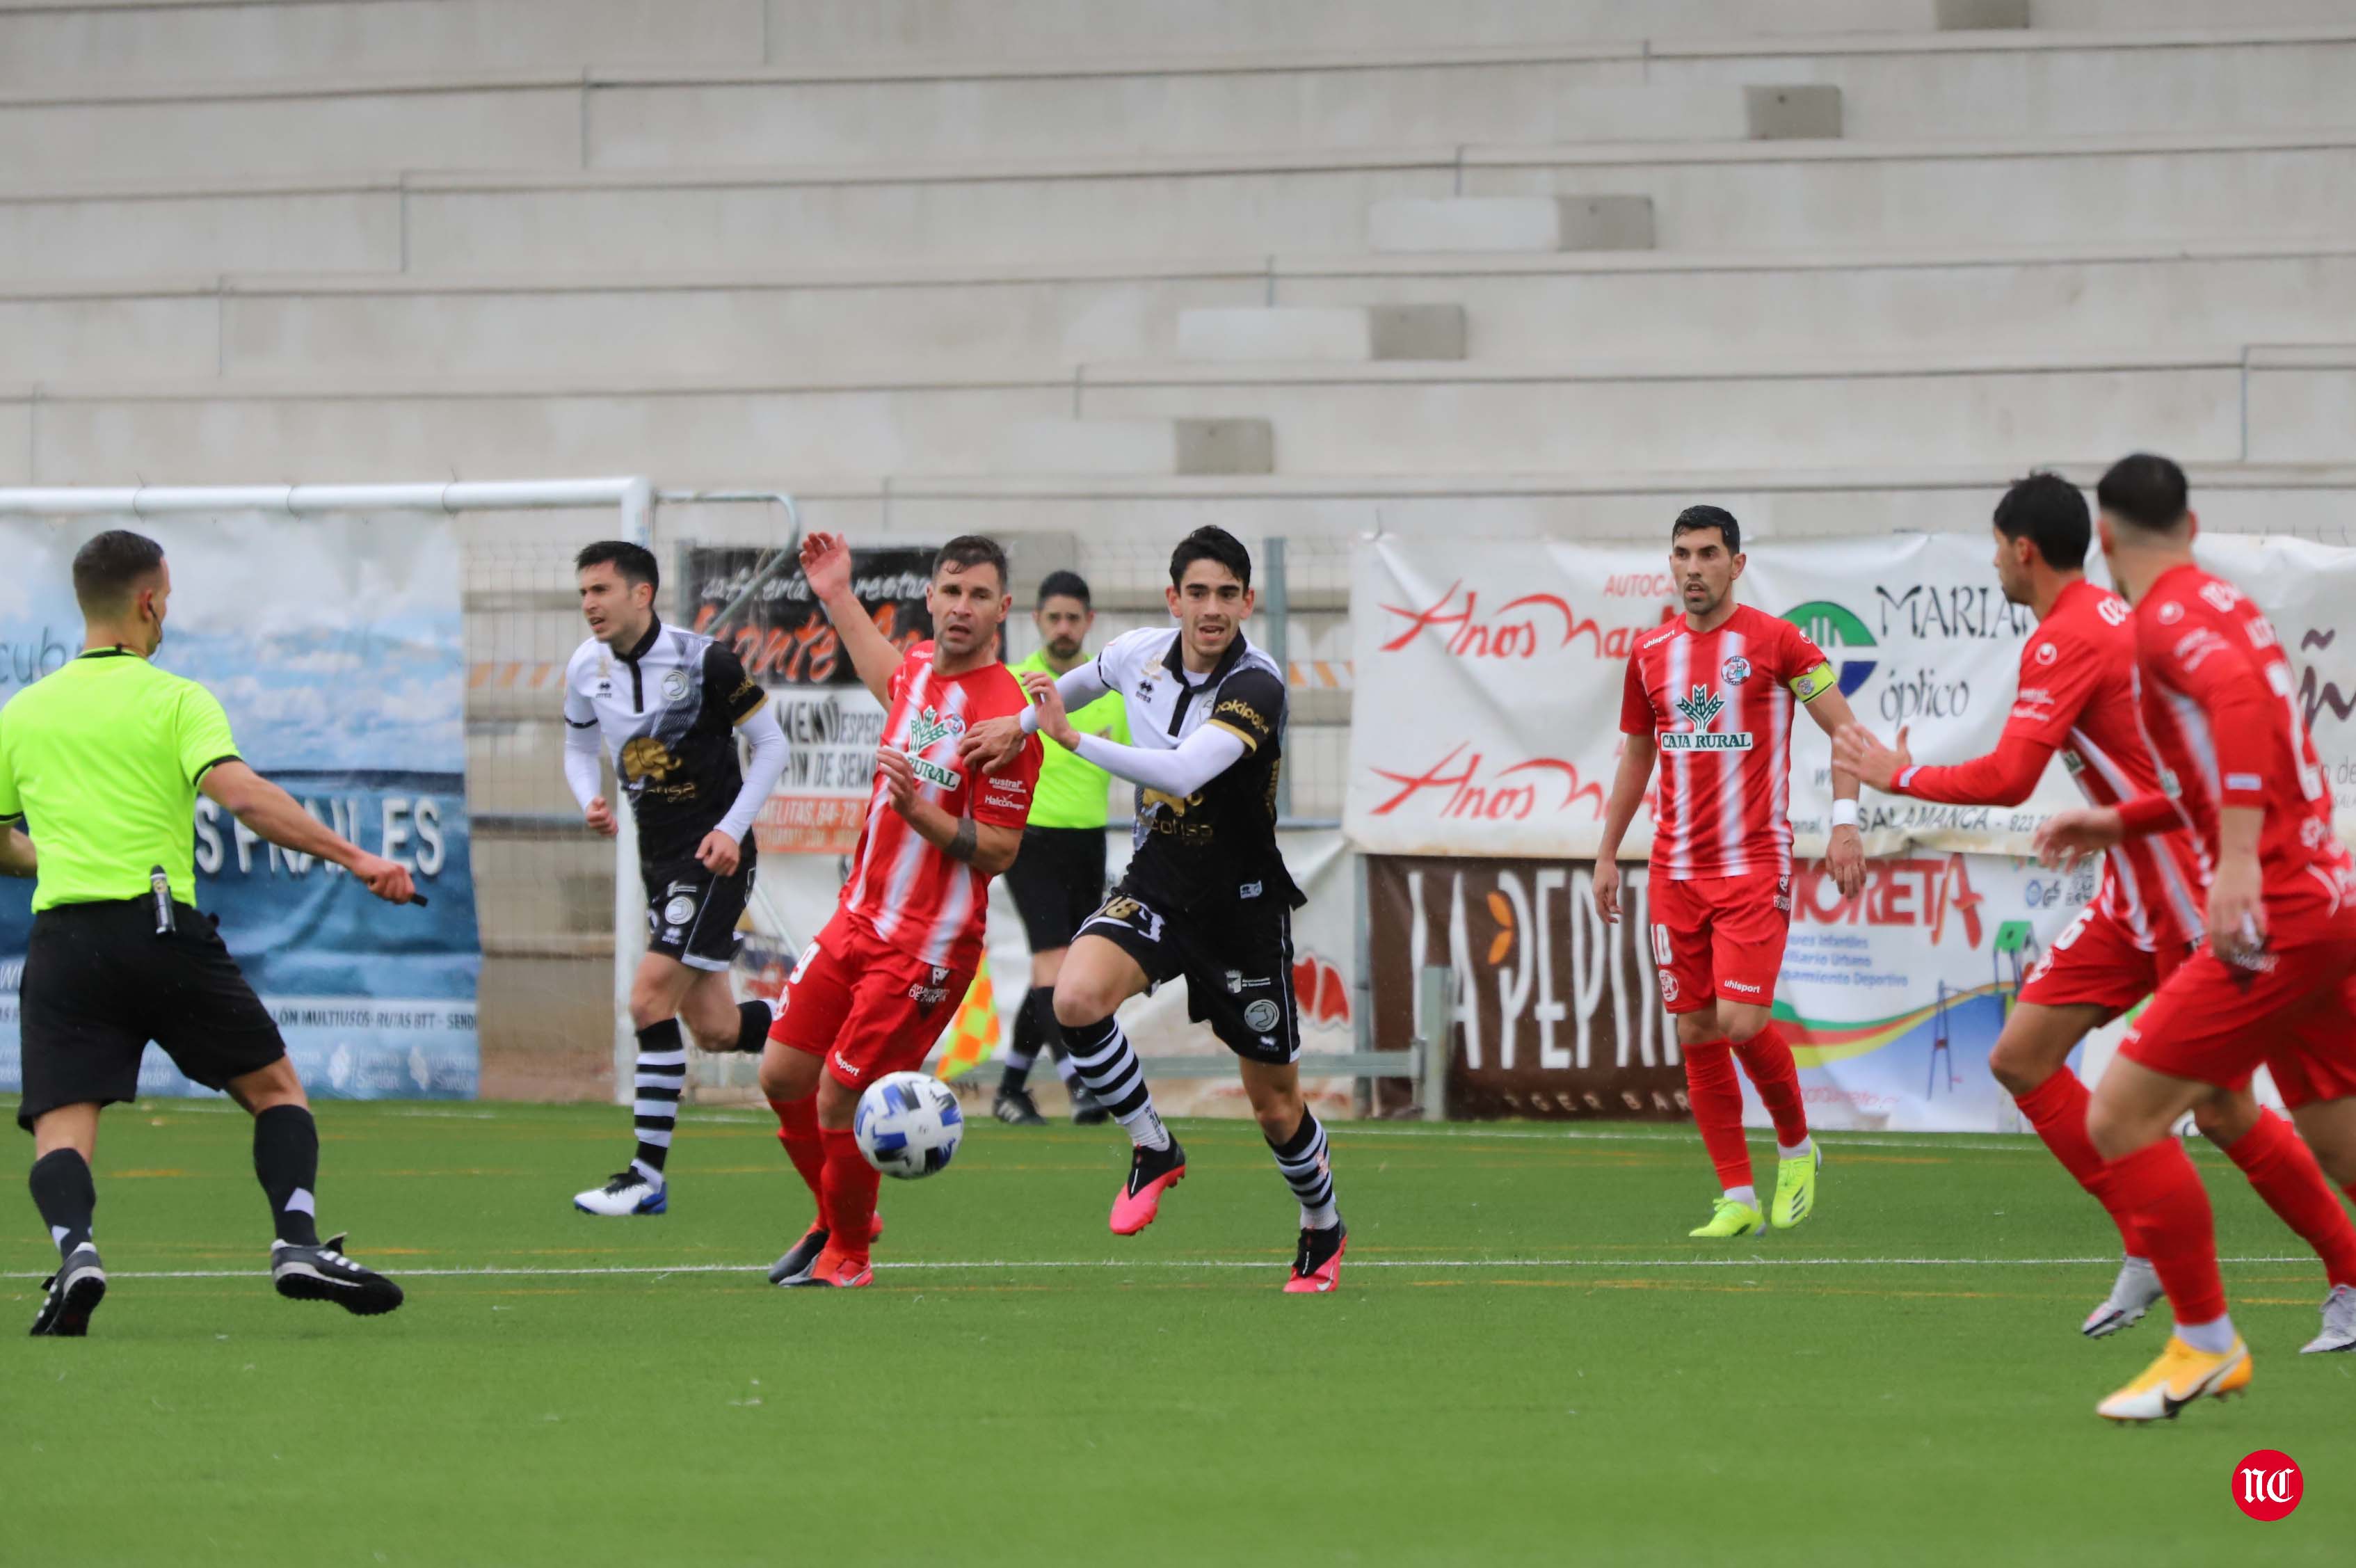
<point>2268,405</point>
<point>43,40</point>
<point>1725,195</point>
<point>670,116</point>
<point>2308,500</point>
<point>973,318</point>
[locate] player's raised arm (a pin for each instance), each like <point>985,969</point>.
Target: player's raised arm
<point>826,562</point>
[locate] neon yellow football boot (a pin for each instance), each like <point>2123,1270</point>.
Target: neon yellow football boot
<point>1795,1186</point>
<point>2180,1377</point>
<point>1731,1217</point>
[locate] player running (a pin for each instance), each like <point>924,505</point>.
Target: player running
<point>1206,893</point>
<point>1715,690</point>
<point>2276,982</point>
<point>872,994</point>
<point>2078,696</point>
<point>669,705</point>
<point>1059,879</point>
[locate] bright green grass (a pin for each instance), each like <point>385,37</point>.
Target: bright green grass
<point>1523,1378</point>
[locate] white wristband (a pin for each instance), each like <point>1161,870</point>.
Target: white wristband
<point>1844,813</point>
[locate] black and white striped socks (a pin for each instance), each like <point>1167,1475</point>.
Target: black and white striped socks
<point>1102,1059</point>
<point>662,1075</point>
<point>1309,1170</point>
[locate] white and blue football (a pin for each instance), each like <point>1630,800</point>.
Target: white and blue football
<point>908,1125</point>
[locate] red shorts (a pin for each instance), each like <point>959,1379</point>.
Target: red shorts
<point>2215,1023</point>
<point>1719,936</point>
<point>866,1008</point>
<point>2096,964</point>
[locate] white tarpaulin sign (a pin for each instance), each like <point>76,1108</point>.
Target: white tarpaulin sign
<point>1489,678</point>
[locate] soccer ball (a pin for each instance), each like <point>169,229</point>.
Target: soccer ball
<point>908,1125</point>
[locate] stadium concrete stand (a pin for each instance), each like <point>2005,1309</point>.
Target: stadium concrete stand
<point>1090,273</point>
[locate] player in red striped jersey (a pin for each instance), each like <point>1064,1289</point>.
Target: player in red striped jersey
<point>873,991</point>
<point>2276,982</point>
<point>1715,692</point>
<point>2080,695</point>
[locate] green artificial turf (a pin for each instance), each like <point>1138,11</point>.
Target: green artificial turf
<point>1527,1361</point>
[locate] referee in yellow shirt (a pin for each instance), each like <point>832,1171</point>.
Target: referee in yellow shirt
<point>1058,879</point>
<point>102,761</point>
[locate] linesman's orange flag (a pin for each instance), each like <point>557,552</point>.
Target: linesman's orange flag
<point>972,1037</point>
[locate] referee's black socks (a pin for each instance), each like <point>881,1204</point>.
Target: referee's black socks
<point>286,1163</point>
<point>65,1196</point>
<point>1034,1028</point>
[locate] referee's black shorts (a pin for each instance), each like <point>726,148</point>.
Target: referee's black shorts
<point>100,983</point>
<point>1057,880</point>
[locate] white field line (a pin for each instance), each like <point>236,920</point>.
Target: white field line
<point>987,1265</point>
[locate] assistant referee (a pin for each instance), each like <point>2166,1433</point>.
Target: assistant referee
<point>1058,879</point>
<point>102,761</point>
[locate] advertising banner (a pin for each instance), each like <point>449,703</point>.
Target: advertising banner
<point>1490,673</point>
<point>831,721</point>
<point>1892,1000</point>
<point>336,647</point>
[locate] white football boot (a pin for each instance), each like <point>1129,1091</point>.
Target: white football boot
<point>2133,1293</point>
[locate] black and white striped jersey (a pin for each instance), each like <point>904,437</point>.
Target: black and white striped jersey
<point>668,709</point>
<point>1218,845</point>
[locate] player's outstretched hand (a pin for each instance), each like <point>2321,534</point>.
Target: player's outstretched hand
<point>1053,721</point>
<point>1857,751</point>
<point>1607,891</point>
<point>2066,837</point>
<point>826,562</point>
<point>992,745</point>
<point>387,879</point>
<point>720,853</point>
<point>1846,855</point>
<point>600,816</point>
<point>899,777</point>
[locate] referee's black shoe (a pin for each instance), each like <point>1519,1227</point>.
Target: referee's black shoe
<point>1087,1111</point>
<point>1017,1109</point>
<point>324,1274</point>
<point>74,1293</point>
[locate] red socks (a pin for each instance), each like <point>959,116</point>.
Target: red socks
<point>2283,1171</point>
<point>1716,1097</point>
<point>849,1205</point>
<point>2158,1187</point>
<point>1768,1059</point>
<point>2057,1108</point>
<point>797,1131</point>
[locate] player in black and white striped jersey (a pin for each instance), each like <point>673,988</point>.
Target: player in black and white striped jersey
<point>1206,893</point>
<point>669,704</point>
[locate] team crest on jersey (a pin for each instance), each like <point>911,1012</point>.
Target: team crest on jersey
<point>1735,671</point>
<point>674,686</point>
<point>2171,613</point>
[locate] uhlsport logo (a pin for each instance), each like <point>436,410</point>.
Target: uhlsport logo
<point>2267,1485</point>
<point>1845,640</point>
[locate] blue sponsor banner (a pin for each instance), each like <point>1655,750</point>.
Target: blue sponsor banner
<point>335,645</point>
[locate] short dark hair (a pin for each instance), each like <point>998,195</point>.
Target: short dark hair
<point>1716,517</point>
<point>1210,542</point>
<point>967,551</point>
<point>111,567</point>
<point>635,564</point>
<point>2050,512</point>
<point>2145,490</point>
<point>1065,586</point>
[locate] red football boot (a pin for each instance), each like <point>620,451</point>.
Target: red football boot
<point>1317,1267</point>
<point>1151,1172</point>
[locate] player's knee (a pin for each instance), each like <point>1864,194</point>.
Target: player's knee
<point>2115,1134</point>
<point>1079,1002</point>
<point>2016,1070</point>
<point>787,1073</point>
<point>836,1104</point>
<point>2225,1120</point>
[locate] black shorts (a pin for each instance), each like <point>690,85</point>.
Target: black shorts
<point>1237,960</point>
<point>692,915</point>
<point>1057,880</point>
<point>100,983</point>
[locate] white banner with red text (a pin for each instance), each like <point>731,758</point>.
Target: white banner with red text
<point>1487,719</point>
